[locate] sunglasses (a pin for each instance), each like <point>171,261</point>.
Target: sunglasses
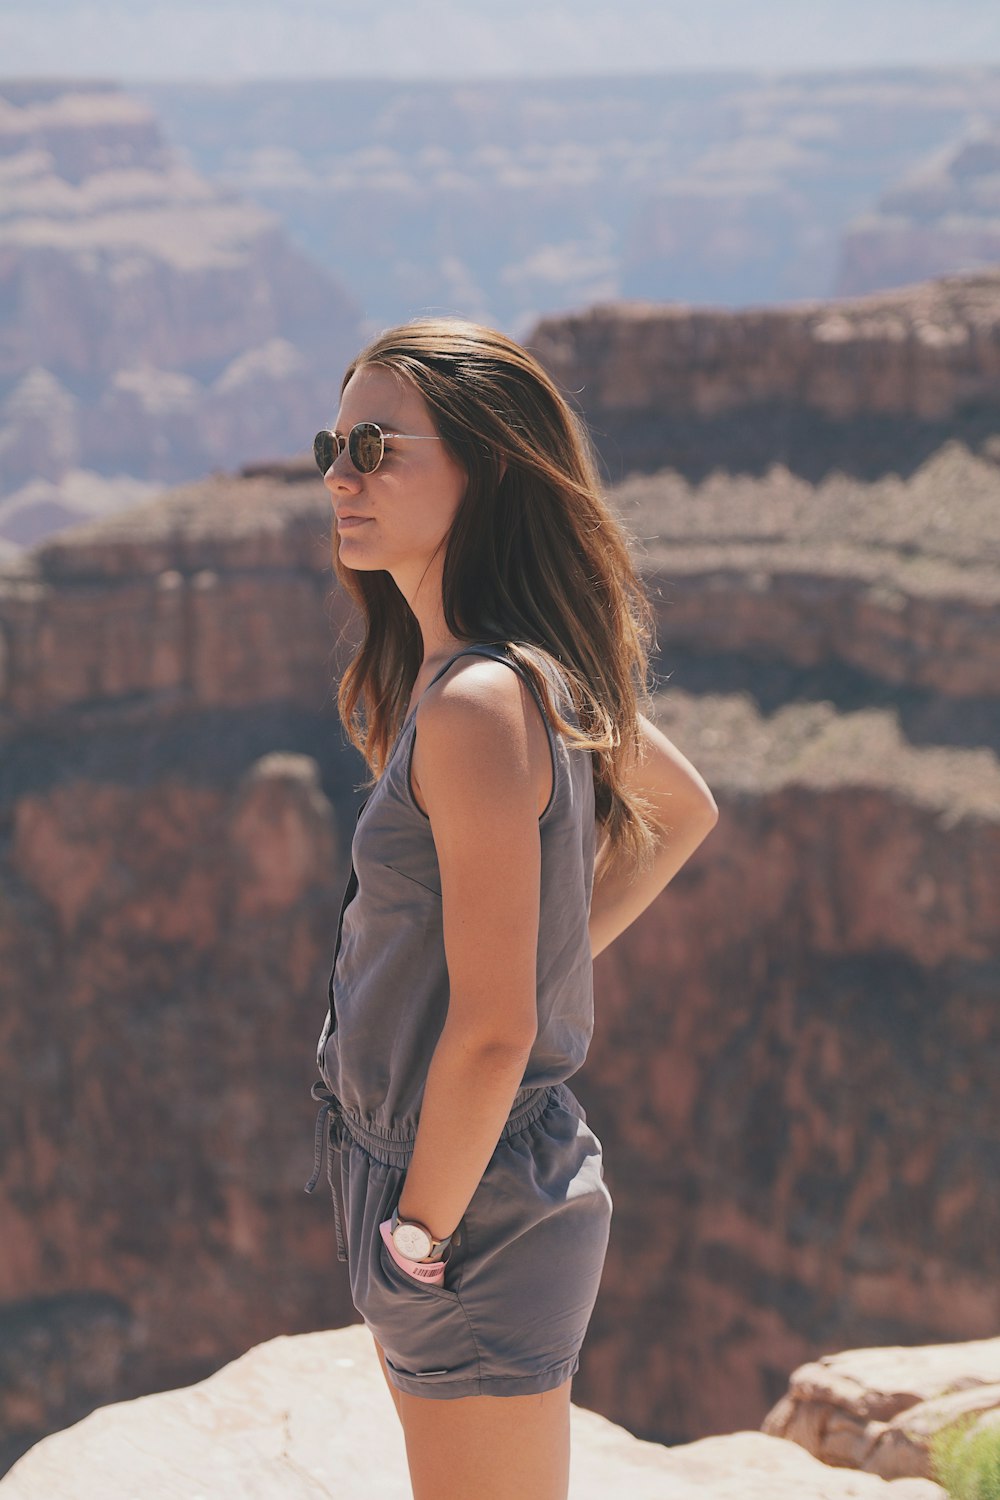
<point>365,443</point>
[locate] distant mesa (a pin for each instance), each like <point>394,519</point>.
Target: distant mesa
<point>529,197</point>
<point>170,313</point>
<point>153,327</point>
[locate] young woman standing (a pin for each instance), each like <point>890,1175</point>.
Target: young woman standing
<point>521,814</point>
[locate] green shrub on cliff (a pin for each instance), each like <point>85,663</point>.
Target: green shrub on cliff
<point>967,1466</point>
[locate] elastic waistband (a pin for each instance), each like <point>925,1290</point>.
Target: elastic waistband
<point>395,1150</point>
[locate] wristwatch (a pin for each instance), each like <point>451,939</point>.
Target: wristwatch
<point>415,1240</point>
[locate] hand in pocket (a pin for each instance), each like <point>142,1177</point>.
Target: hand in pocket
<point>431,1273</point>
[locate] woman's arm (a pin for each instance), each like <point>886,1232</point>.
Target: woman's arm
<point>686,812</point>
<point>480,790</point>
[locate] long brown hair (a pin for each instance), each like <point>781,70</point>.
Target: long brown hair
<point>534,556</point>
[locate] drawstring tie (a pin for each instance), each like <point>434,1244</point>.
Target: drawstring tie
<point>331,1114</point>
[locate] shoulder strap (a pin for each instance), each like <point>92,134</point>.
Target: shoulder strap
<point>481,648</point>
<point>500,653</point>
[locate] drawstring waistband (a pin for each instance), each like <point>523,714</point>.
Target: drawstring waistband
<point>330,1104</point>
<point>528,1104</point>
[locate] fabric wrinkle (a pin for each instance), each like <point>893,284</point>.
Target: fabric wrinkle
<point>499,1322</point>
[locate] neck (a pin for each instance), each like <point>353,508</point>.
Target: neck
<point>423,597</point>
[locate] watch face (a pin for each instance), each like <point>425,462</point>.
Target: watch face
<point>412,1241</point>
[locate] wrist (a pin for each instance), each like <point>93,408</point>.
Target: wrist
<point>404,1213</point>
<point>431,1272</point>
<point>411,1234</point>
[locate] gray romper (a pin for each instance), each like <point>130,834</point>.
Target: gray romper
<point>525,1261</point>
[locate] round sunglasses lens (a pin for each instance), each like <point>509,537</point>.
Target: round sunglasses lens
<point>366,447</point>
<point>325,450</point>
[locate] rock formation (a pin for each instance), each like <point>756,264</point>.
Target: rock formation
<point>792,1070</point>
<point>310,1417</point>
<point>527,196</point>
<point>865,386</point>
<point>878,1409</point>
<point>152,328</point>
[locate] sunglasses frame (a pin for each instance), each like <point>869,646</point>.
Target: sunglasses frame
<point>340,443</point>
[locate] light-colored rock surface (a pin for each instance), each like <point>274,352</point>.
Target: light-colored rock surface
<point>876,1409</point>
<point>306,1417</point>
<point>152,328</point>
<point>921,350</point>
<point>547,194</point>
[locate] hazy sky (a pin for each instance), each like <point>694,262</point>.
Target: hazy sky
<point>219,39</point>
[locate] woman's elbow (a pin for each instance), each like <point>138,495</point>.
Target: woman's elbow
<point>491,1041</point>
<point>700,812</point>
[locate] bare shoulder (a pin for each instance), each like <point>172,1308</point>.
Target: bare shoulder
<point>480,684</point>
<point>479,729</point>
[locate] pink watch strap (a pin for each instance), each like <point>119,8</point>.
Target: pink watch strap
<point>431,1271</point>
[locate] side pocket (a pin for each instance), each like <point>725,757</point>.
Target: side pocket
<point>426,1275</point>
<point>398,1277</point>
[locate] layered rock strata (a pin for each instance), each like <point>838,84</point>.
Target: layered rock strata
<point>152,327</point>
<point>792,1065</point>
<point>863,386</point>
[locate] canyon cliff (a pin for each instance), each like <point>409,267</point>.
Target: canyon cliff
<point>793,1064</point>
<point>152,327</point>
<point>864,386</point>
<point>520,197</point>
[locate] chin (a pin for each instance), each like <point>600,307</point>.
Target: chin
<point>364,557</point>
<point>360,564</point>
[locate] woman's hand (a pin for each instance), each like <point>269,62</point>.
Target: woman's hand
<point>479,779</point>
<point>685,812</point>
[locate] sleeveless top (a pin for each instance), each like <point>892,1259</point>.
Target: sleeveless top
<point>389,987</point>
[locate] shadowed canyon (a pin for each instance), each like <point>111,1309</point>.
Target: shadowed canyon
<point>793,1068</point>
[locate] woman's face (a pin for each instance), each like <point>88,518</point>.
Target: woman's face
<point>410,501</point>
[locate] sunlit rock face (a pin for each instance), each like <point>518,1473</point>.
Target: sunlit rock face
<point>880,1409</point>
<point>299,1417</point>
<point>520,197</point>
<point>152,327</point>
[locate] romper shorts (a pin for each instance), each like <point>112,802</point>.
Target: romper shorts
<point>525,1261</point>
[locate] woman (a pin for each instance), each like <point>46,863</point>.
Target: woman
<point>505,641</point>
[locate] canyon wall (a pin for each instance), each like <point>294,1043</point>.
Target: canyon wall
<point>863,385</point>
<point>792,1069</point>
<point>520,197</point>
<point>152,327</point>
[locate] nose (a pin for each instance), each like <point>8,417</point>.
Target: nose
<point>342,477</point>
